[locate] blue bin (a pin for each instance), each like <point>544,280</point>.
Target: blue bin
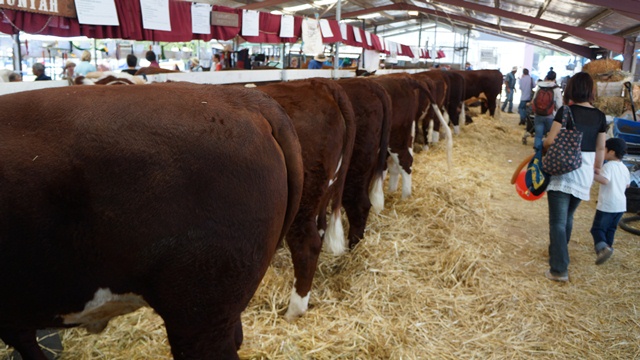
<point>627,130</point>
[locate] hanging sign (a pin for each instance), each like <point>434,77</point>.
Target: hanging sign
<point>219,18</point>
<point>92,12</point>
<point>63,8</point>
<point>155,15</point>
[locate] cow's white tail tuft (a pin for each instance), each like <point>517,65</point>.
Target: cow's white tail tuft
<point>463,117</point>
<point>376,195</point>
<point>393,166</point>
<point>334,238</point>
<point>406,184</point>
<point>448,135</point>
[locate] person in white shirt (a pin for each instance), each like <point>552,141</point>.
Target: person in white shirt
<point>614,179</point>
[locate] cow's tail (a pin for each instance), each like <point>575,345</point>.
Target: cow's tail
<point>286,136</point>
<point>376,194</point>
<point>334,238</point>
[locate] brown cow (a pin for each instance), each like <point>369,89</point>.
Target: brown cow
<point>323,117</point>
<point>404,92</point>
<point>106,207</point>
<point>488,82</point>
<point>439,89</point>
<point>363,187</point>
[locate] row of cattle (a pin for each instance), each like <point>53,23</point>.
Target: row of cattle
<point>177,195</point>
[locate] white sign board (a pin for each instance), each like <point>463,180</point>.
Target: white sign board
<point>97,12</point>
<point>155,15</point>
<point>200,18</point>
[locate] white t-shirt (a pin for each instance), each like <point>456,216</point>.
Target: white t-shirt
<point>611,197</point>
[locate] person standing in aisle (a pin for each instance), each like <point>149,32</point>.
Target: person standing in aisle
<point>467,66</point>
<point>565,192</point>
<point>547,91</point>
<point>85,66</point>
<point>526,89</point>
<point>614,179</point>
<point>510,89</point>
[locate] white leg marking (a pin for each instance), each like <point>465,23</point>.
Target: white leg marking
<point>376,195</point>
<point>456,129</point>
<point>463,116</point>
<point>393,165</point>
<point>406,184</point>
<point>436,137</point>
<point>334,241</point>
<point>104,306</point>
<point>297,305</point>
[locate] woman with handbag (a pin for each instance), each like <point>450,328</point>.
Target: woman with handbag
<point>567,190</point>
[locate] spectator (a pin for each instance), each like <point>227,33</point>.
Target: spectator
<point>68,71</point>
<point>551,74</point>
<point>316,62</point>
<point>151,57</point>
<point>510,88</point>
<point>15,77</point>
<point>38,71</point>
<point>542,123</point>
<point>132,62</point>
<point>614,179</point>
<point>194,64</point>
<point>526,89</point>
<point>216,66</point>
<point>85,66</point>
<point>565,192</point>
<point>467,66</point>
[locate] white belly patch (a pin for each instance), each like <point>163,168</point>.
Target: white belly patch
<point>104,306</point>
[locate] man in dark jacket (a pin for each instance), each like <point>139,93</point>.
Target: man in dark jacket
<point>38,71</point>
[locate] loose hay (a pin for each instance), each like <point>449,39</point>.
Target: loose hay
<point>456,271</point>
<point>611,105</point>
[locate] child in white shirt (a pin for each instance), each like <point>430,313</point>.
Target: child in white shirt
<point>614,179</point>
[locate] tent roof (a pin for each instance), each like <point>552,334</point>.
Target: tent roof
<point>574,26</point>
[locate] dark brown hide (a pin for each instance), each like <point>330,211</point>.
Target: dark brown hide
<point>488,82</point>
<point>372,109</point>
<point>182,202</point>
<point>324,120</point>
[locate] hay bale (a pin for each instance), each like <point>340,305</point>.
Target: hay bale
<point>602,66</point>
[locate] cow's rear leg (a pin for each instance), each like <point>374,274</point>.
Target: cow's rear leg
<point>24,342</point>
<point>305,244</point>
<point>357,208</point>
<point>192,338</point>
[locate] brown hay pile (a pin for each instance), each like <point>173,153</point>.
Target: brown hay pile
<point>602,66</point>
<point>611,105</point>
<point>454,272</point>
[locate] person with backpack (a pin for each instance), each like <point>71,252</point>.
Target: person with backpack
<point>546,101</point>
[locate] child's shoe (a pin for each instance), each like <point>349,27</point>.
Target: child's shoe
<point>604,255</point>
